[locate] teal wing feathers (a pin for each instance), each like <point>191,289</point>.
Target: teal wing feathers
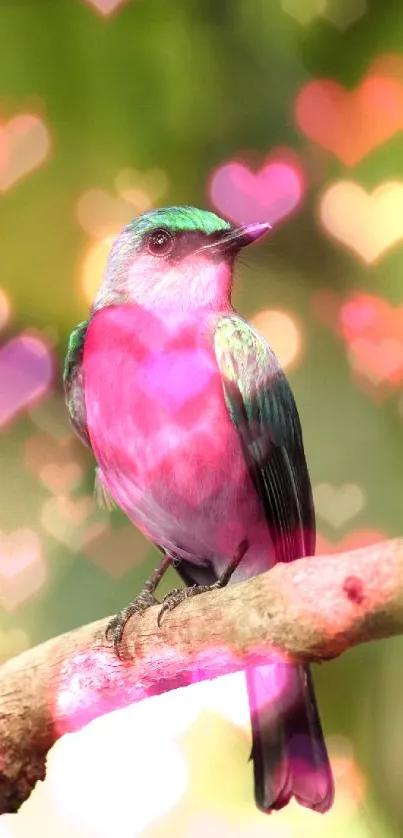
<point>73,381</point>
<point>263,410</point>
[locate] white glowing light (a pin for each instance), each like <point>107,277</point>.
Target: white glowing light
<point>123,771</point>
<point>228,697</point>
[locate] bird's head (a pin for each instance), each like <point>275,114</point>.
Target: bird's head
<point>175,256</point>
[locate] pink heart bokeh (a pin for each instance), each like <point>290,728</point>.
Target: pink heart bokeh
<point>106,7</point>
<point>26,372</point>
<point>371,329</point>
<point>24,145</point>
<point>247,197</point>
<point>22,568</point>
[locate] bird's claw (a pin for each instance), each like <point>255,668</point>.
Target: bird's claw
<point>117,625</point>
<point>178,595</point>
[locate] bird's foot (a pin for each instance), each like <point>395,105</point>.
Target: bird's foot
<point>178,595</point>
<point>117,625</point>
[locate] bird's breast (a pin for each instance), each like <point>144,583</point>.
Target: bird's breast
<point>155,406</point>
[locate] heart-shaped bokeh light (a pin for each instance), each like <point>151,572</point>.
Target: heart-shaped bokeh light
<point>366,223</point>
<point>94,266</point>
<point>303,11</point>
<point>338,504</point>
<point>106,7</point>
<point>22,569</point>
<point>282,333</point>
<point>372,331</point>
<point>57,463</point>
<point>340,13</point>
<point>269,194</point>
<point>5,308</point>
<point>26,372</point>
<point>102,214</point>
<point>66,518</point>
<point>115,550</point>
<point>24,145</point>
<point>353,123</point>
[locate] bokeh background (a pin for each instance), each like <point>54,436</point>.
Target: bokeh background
<point>283,110</point>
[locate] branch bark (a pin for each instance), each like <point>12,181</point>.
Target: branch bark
<point>310,610</point>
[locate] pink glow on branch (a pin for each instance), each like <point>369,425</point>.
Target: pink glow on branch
<point>88,685</point>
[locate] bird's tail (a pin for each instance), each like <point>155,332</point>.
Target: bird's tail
<point>288,749</point>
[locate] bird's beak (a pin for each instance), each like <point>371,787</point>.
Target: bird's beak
<point>237,237</point>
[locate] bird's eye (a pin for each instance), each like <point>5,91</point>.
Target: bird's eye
<point>160,242</point>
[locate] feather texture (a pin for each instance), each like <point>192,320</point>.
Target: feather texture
<point>263,410</point>
<point>73,380</point>
<point>288,749</point>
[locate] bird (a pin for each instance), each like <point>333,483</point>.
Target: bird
<point>197,438</point>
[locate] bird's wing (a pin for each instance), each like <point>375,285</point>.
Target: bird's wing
<point>73,380</point>
<point>263,410</point>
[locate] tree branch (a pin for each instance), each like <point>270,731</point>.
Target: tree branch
<point>312,609</point>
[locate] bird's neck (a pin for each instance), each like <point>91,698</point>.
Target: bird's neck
<point>196,284</point>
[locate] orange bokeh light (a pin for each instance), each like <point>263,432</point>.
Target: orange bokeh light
<point>282,333</point>
<point>94,266</point>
